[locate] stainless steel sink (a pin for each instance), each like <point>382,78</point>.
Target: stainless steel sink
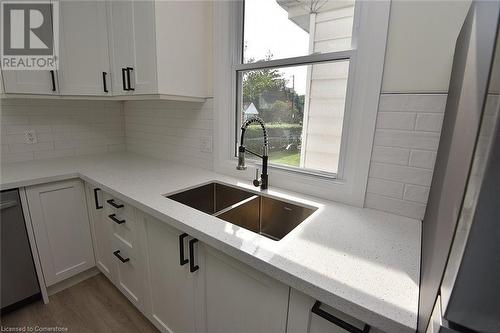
<point>210,198</point>
<point>261,214</point>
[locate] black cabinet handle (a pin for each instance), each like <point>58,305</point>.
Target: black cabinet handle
<point>182,260</point>
<point>114,219</point>
<point>129,69</point>
<point>337,321</point>
<point>105,87</point>
<point>114,204</point>
<point>53,77</point>
<point>124,80</point>
<point>192,267</point>
<point>96,199</point>
<point>117,254</point>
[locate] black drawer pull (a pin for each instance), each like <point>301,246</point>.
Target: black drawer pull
<point>337,321</point>
<point>114,204</point>
<point>117,254</point>
<point>182,260</point>
<point>96,199</point>
<point>105,87</point>
<point>113,217</point>
<point>192,267</point>
<point>124,80</point>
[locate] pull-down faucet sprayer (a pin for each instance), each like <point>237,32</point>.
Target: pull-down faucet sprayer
<point>263,181</point>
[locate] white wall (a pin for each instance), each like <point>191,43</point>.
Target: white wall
<point>170,130</point>
<point>421,43</point>
<point>63,128</point>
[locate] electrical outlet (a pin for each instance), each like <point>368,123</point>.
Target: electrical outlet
<point>30,137</point>
<point>206,144</point>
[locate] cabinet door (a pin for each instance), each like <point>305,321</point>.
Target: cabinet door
<point>240,299</point>
<point>132,46</point>
<point>30,82</point>
<point>62,231</point>
<point>84,48</point>
<point>172,284</point>
<point>101,231</point>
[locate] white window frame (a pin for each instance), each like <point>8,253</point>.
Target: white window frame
<point>364,83</point>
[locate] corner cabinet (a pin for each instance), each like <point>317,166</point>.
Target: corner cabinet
<point>61,227</point>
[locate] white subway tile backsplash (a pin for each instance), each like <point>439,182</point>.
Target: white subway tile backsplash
<point>390,155</point>
<point>386,188</point>
<point>62,128</point>
<point>430,122</point>
<point>399,173</point>
<point>170,130</point>
<point>400,207</point>
<point>406,139</point>
<point>416,193</point>
<point>404,152</point>
<point>396,120</point>
<point>422,159</point>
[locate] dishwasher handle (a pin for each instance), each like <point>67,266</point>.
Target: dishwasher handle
<point>337,321</point>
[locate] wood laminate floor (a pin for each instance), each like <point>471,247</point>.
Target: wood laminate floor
<point>94,305</point>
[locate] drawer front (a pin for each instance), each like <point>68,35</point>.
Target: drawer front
<point>128,269</point>
<point>122,219</point>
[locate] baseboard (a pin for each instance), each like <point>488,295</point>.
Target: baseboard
<point>80,277</point>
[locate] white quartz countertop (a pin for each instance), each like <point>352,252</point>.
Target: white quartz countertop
<point>360,261</point>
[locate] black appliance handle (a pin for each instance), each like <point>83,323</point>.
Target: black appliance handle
<point>337,321</point>
<point>96,199</point>
<point>192,267</point>
<point>117,254</point>
<point>114,204</point>
<point>182,260</point>
<point>114,219</point>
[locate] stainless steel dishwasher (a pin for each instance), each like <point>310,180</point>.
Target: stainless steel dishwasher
<point>19,282</point>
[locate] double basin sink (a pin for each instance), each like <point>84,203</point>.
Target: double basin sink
<point>261,214</point>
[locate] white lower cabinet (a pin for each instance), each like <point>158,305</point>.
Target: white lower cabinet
<point>173,287</point>
<point>119,245</point>
<point>195,288</point>
<point>62,231</point>
<point>241,299</point>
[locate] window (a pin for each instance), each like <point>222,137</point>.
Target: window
<point>294,74</point>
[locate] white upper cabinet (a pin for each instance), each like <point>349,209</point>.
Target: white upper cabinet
<point>184,47</point>
<point>30,82</point>
<point>84,58</point>
<point>132,47</point>
<point>161,47</point>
